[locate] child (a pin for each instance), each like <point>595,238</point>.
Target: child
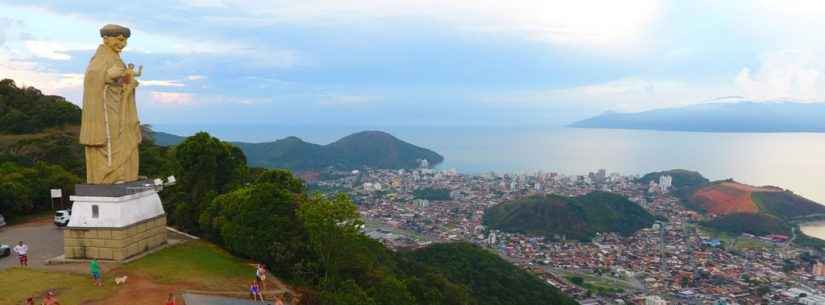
<point>94,269</point>
<point>255,290</point>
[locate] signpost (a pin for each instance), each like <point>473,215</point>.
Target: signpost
<point>57,193</point>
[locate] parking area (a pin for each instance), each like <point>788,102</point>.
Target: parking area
<point>45,241</point>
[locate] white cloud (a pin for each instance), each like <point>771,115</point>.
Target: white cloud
<point>626,95</point>
<point>47,49</point>
<point>27,73</point>
<point>592,23</point>
<point>347,100</point>
<point>788,74</point>
<point>171,98</point>
<point>204,3</point>
<point>160,83</point>
<point>195,77</point>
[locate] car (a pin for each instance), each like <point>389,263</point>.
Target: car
<point>2,221</point>
<point>5,250</point>
<point>61,217</point>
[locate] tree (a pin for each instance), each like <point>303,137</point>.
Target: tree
<point>577,280</point>
<point>24,189</point>
<point>205,167</point>
<point>260,222</point>
<point>332,224</point>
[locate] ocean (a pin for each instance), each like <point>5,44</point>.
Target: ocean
<point>795,161</point>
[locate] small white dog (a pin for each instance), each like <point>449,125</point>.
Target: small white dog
<point>121,280</point>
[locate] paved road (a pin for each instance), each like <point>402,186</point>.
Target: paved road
<point>196,299</point>
<point>44,239</point>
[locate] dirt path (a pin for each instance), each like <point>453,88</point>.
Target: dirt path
<point>141,291</point>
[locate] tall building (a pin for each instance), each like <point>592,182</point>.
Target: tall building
<point>665,182</point>
<point>819,269</point>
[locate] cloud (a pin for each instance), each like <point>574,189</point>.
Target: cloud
<point>787,74</point>
<point>171,98</point>
<point>347,100</point>
<point>195,77</point>
<point>160,83</point>
<point>204,3</point>
<point>573,23</point>
<point>28,73</point>
<point>47,49</point>
<point>626,95</point>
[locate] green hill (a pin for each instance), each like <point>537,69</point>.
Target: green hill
<point>25,110</point>
<point>374,149</point>
<point>491,280</point>
<point>753,223</point>
<point>574,217</point>
<point>786,204</point>
<point>681,178</point>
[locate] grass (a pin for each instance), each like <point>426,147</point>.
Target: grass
<point>17,284</point>
<point>596,284</point>
<point>736,242</point>
<point>197,263</point>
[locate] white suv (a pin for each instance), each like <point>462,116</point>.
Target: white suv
<point>61,217</point>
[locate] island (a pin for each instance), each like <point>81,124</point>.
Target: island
<point>741,116</point>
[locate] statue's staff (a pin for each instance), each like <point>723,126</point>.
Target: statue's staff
<point>108,132</point>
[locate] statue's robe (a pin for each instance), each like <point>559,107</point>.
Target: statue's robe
<point>110,130</point>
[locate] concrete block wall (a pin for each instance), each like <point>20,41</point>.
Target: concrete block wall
<point>114,243</point>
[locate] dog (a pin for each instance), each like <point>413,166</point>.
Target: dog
<point>121,280</point>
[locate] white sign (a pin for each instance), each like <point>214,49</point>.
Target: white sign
<point>57,193</point>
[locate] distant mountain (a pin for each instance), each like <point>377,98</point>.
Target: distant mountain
<point>574,217</point>
<point>491,279</point>
<point>166,139</point>
<point>743,116</point>
<point>374,149</point>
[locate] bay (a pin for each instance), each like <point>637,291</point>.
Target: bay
<point>795,161</point>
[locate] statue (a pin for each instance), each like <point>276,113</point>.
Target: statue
<point>110,129</point>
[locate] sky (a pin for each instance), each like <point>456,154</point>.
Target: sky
<point>425,62</point>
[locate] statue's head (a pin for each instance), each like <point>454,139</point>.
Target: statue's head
<point>115,36</point>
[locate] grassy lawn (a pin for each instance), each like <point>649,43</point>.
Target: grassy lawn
<point>17,284</point>
<point>197,263</point>
<point>595,284</point>
<point>737,242</point>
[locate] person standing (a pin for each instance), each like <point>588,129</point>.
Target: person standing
<point>170,300</point>
<point>94,269</point>
<point>260,275</point>
<point>22,251</point>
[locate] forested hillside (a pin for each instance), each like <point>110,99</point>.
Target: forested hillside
<point>571,217</point>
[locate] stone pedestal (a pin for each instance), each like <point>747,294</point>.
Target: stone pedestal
<point>114,222</point>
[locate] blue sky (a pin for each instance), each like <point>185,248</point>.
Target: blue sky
<point>424,62</point>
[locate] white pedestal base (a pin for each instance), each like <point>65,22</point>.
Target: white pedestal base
<point>114,212</point>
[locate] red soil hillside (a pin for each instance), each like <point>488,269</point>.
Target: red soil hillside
<point>728,197</point>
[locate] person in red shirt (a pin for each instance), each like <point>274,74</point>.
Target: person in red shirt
<point>171,300</point>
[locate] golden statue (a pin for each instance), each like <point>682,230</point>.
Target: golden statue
<point>110,129</point>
